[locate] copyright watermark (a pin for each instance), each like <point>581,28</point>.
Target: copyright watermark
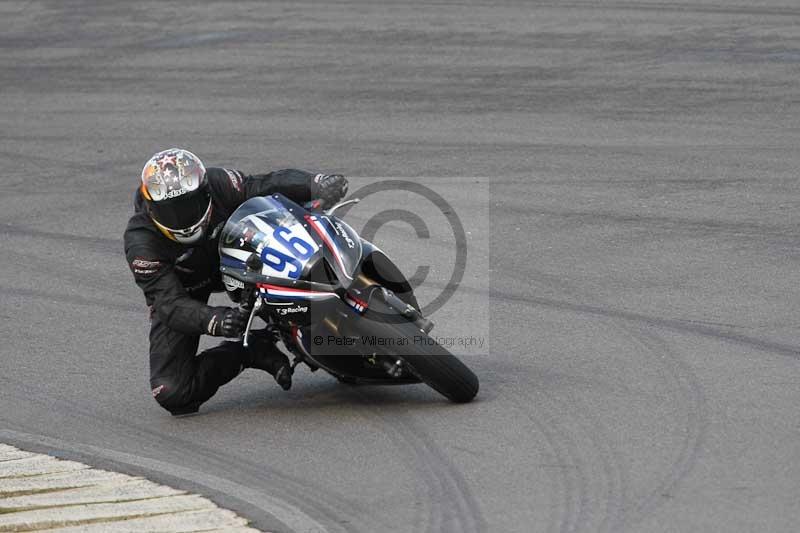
<point>429,242</point>
<point>409,216</point>
<point>417,340</point>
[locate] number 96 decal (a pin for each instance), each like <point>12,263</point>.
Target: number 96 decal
<point>289,251</point>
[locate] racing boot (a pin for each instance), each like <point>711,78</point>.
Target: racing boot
<point>264,355</point>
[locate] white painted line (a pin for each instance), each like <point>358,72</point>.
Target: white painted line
<point>36,465</point>
<point>64,480</point>
<point>42,493</point>
<point>12,456</point>
<point>116,491</point>
<point>205,521</point>
<point>9,453</point>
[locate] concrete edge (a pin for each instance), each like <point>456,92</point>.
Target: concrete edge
<point>43,493</point>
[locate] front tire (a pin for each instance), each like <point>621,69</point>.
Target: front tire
<point>426,359</point>
<point>444,373</point>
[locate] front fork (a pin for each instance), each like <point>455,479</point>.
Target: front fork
<point>406,310</point>
<point>253,312</point>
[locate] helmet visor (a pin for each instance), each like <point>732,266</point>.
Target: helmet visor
<point>182,212</point>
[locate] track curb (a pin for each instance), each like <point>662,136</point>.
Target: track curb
<point>39,492</point>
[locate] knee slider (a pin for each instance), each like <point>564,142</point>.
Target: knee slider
<point>173,396</point>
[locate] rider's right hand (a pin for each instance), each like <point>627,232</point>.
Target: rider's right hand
<point>226,322</point>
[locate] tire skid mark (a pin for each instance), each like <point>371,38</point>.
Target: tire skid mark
<point>454,483</point>
<point>613,467</point>
<point>95,244</point>
<point>80,169</point>
<point>619,509</point>
<point>611,501</point>
<point>558,463</point>
<point>449,509</point>
<point>614,495</point>
<point>576,500</point>
<point>306,498</point>
<point>665,224</point>
<point>72,300</point>
<point>572,466</point>
<point>453,507</point>
<point>689,394</point>
<point>563,465</point>
<point>616,477</point>
<point>682,7</point>
<point>582,505</point>
<point>579,508</point>
<point>300,493</point>
<point>679,325</point>
<point>76,278</point>
<point>318,503</point>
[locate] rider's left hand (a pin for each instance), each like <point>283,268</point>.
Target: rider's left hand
<point>330,188</point>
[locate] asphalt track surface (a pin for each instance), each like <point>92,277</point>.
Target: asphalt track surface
<point>628,172</point>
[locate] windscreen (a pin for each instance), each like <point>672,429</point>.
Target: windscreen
<point>266,227</point>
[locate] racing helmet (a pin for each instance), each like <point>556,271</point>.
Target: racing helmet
<point>175,191</point>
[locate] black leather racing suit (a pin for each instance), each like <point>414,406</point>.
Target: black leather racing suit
<point>177,281</point>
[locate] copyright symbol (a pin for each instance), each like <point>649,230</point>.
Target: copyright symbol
<point>318,340</point>
<point>421,229</point>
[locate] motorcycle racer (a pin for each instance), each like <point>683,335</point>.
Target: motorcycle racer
<point>171,244</point>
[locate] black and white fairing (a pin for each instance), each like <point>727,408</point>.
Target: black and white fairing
<point>309,275</point>
<point>305,269</point>
<point>301,255</point>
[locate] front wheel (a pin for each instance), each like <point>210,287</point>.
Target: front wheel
<point>426,359</point>
<point>443,372</point>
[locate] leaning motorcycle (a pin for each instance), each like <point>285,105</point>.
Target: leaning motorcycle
<point>335,300</point>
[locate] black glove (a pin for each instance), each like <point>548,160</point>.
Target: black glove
<point>330,188</point>
<point>226,322</point>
